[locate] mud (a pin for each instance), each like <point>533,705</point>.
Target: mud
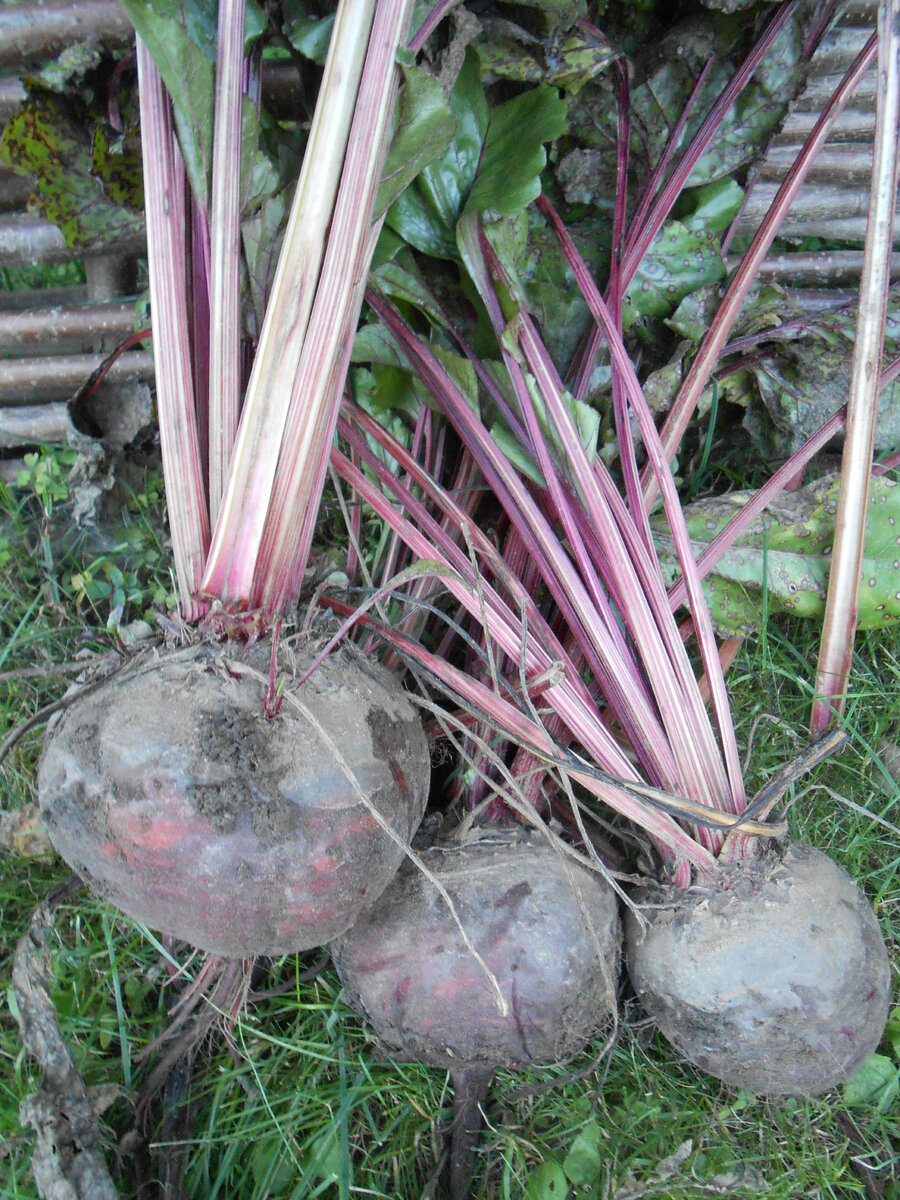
<point>172,792</point>
<point>777,983</point>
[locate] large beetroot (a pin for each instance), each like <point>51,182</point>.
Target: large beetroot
<point>175,795</point>
<point>776,981</point>
<point>522,972</point>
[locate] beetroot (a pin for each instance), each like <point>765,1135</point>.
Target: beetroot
<point>548,930</point>
<point>778,982</point>
<point>170,791</point>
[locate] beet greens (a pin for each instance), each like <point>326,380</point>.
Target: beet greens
<point>588,658</point>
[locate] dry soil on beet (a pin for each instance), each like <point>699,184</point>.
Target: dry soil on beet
<point>179,799</point>
<point>777,982</point>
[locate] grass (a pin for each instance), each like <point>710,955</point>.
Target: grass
<point>304,1105</point>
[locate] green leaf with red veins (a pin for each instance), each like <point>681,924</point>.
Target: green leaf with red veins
<point>260,177</point>
<point>262,236</point>
<point>666,72</point>
<point>183,47</point>
<point>401,279</point>
<point>532,255</point>
<point>425,215</point>
<point>514,156</point>
<point>310,35</point>
<point>493,163</point>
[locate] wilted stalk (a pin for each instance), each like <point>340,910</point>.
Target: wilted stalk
<point>841,605</point>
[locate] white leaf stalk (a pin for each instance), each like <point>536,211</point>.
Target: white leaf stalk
<point>278,460</point>
<point>225,236</point>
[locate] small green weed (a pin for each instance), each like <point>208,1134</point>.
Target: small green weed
<point>108,576</point>
<point>45,474</point>
<point>28,278</point>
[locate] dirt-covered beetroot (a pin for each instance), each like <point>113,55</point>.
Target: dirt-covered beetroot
<point>778,982</point>
<point>406,967</point>
<point>172,793</point>
<point>548,930</point>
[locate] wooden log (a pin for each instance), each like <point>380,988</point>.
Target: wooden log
<point>31,33</point>
<point>66,296</point>
<point>26,240</point>
<point>12,97</point>
<point>14,189</point>
<point>38,380</point>
<point>42,331</point>
<point>849,164</point>
<point>34,424</point>
<point>825,268</point>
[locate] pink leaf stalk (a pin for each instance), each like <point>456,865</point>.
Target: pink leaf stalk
<point>650,674</point>
<point>164,191</point>
<point>326,351</point>
<point>674,842</point>
<point>662,474</point>
<point>231,569</point>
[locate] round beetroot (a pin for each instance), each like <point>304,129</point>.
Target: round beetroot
<point>171,792</point>
<point>778,982</point>
<point>546,928</point>
<point>553,951</point>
